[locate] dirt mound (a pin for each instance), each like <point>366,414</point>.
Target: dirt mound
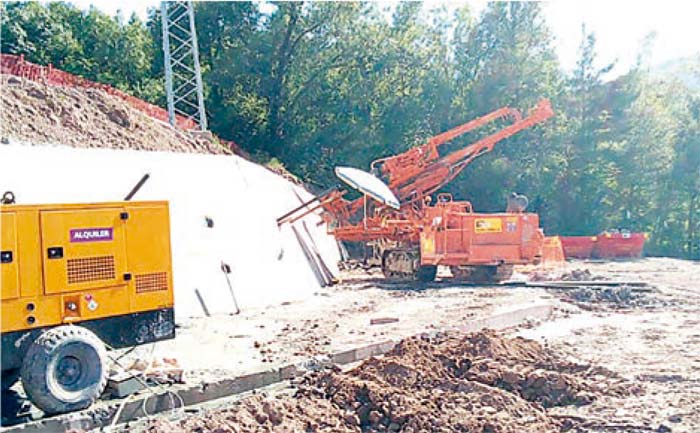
<point>87,118</point>
<point>480,382</point>
<point>263,414</point>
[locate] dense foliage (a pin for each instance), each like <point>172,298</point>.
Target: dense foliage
<point>321,84</point>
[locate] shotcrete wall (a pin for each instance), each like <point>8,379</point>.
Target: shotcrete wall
<point>242,200</point>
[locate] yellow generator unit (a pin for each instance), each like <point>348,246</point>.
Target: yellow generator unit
<point>75,279</point>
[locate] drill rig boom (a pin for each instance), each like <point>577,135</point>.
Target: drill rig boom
<point>422,171</point>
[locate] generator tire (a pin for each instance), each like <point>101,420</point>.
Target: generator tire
<point>65,369</point>
<point>9,378</point>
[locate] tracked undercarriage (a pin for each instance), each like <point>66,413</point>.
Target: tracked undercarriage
<point>413,228</point>
<point>403,264</point>
<point>482,274</point>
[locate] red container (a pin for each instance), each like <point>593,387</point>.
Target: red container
<point>619,245</point>
<point>577,247</point>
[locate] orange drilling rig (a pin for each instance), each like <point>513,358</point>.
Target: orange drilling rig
<point>416,234</point>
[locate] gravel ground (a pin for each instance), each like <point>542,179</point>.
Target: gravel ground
<point>655,345</point>
<point>335,319</point>
<point>604,363</point>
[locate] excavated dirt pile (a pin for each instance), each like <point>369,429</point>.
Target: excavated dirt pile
<point>482,382</point>
<point>42,114</point>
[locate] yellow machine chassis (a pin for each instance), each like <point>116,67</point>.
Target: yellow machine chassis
<point>106,266</point>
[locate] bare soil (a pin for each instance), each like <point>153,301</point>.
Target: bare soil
<point>87,118</point>
<point>654,344</point>
<point>612,360</point>
<point>481,382</point>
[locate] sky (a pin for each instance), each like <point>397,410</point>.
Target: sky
<point>620,26</point>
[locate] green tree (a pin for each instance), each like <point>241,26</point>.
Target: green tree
<point>506,58</point>
<point>90,44</point>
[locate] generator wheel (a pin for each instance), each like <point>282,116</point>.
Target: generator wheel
<point>65,369</point>
<point>9,378</point>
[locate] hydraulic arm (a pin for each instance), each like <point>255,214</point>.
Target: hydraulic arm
<point>423,170</point>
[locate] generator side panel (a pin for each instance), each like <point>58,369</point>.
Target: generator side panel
<point>104,266</point>
<point>24,306</point>
<point>83,249</point>
<point>149,257</point>
<point>77,263</point>
<point>9,256</point>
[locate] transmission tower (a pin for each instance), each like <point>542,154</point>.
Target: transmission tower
<point>183,76</point>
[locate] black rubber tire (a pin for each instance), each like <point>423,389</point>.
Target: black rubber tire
<point>65,369</point>
<point>9,378</point>
<point>426,273</point>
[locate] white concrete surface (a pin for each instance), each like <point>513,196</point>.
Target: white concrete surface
<point>242,198</point>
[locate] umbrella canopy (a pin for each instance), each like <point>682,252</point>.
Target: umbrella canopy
<point>368,184</point>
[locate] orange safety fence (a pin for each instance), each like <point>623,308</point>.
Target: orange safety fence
<point>16,65</point>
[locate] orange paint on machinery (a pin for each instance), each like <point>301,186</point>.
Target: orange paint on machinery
<point>458,236</point>
<point>448,232</point>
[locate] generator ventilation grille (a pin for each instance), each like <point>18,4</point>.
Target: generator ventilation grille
<point>151,282</point>
<point>90,269</point>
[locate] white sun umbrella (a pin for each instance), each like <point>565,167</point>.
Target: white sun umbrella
<point>368,184</point>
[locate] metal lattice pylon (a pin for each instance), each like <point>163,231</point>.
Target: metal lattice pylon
<point>183,76</point>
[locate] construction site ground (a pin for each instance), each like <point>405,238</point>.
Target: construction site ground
<point>607,359</point>
<point>638,352</point>
<point>336,318</point>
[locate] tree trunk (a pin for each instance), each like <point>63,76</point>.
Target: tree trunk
<point>284,54</point>
<point>693,250</point>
